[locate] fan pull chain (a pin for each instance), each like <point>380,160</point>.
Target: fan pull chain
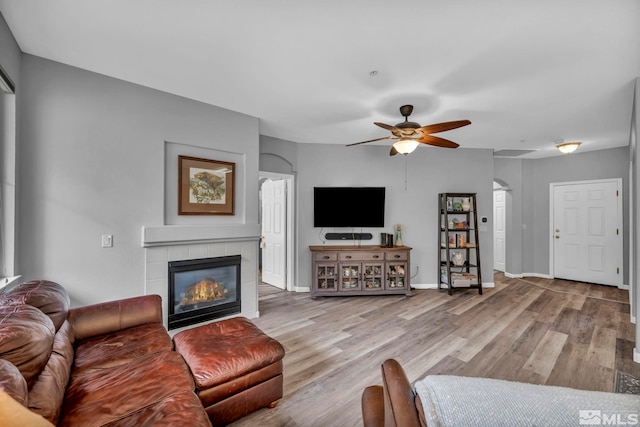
<point>406,160</point>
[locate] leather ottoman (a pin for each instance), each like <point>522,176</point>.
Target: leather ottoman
<point>236,367</point>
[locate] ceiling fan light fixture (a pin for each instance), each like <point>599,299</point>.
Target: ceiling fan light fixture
<point>568,147</point>
<point>405,145</point>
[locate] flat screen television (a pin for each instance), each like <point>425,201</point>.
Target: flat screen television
<point>348,206</point>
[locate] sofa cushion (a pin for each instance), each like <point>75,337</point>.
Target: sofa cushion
<point>13,414</point>
<point>51,298</point>
<point>180,409</point>
<point>12,382</point>
<point>26,339</point>
<point>46,395</point>
<point>114,316</point>
<point>108,395</point>
<point>118,348</point>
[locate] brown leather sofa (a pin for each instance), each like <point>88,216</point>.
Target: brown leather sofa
<point>109,364</point>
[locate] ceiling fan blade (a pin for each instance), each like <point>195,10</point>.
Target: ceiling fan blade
<point>385,126</point>
<point>437,141</point>
<point>441,127</point>
<point>371,140</point>
<point>393,151</point>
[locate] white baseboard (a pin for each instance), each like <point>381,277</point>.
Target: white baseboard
<point>435,286</point>
<point>521,275</point>
<point>424,286</point>
<point>633,319</point>
<point>624,287</point>
<point>301,289</point>
<point>636,355</point>
<point>513,276</point>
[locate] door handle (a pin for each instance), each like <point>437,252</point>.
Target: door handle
<point>557,237</point>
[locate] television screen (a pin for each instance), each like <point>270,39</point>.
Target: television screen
<point>348,206</point>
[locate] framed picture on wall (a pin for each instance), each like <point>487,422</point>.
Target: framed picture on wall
<point>205,187</point>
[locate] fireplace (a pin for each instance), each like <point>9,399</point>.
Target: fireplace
<point>203,289</point>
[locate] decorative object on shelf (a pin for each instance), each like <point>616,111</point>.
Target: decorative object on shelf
<point>386,240</point>
<point>449,204</point>
<point>466,204</point>
<point>205,187</point>
<point>398,229</point>
<point>457,259</point>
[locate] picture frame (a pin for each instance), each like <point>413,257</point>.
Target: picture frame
<point>205,187</point>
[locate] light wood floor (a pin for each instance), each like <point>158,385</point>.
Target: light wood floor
<point>532,330</point>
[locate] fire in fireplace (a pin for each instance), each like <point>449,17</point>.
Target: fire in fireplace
<point>203,289</point>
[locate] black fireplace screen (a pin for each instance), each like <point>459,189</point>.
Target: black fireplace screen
<point>203,289</point>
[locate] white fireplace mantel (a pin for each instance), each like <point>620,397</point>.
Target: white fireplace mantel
<point>170,235</point>
<point>166,243</point>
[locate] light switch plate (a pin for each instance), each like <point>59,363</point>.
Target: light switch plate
<point>107,240</point>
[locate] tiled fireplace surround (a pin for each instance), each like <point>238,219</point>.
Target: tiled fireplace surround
<point>176,243</point>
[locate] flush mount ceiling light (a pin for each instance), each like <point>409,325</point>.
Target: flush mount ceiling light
<point>568,147</point>
<point>405,145</point>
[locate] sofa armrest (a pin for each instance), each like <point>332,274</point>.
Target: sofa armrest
<point>113,316</point>
<point>399,398</point>
<point>373,406</point>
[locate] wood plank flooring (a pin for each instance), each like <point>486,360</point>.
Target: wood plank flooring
<point>532,330</point>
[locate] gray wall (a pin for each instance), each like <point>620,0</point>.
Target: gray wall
<point>93,163</point>
<point>277,155</point>
<point>531,180</point>
<point>429,171</point>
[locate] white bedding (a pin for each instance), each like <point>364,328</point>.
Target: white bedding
<point>462,401</point>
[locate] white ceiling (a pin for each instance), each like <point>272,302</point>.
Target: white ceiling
<point>526,73</point>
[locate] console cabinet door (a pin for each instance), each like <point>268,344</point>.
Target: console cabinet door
<point>396,275</point>
<point>373,276</point>
<point>326,276</point>
<point>350,277</point>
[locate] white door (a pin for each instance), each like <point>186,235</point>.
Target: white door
<point>274,232</point>
<point>499,230</point>
<point>587,232</point>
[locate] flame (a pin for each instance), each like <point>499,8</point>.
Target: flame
<point>205,290</point>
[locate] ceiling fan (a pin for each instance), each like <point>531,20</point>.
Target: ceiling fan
<point>408,135</point>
